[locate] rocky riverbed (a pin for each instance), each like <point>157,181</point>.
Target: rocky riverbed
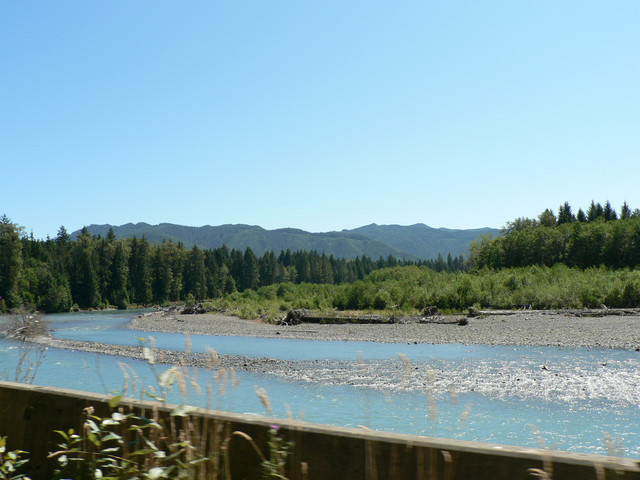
<point>545,379</point>
<point>560,329</point>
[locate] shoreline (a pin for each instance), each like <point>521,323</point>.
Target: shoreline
<point>546,329</point>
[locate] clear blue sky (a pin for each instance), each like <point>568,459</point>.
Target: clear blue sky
<point>316,115</point>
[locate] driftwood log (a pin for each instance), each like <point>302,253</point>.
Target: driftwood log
<point>298,316</point>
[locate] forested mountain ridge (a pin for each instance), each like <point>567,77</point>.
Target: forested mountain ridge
<point>99,271</point>
<point>409,242</point>
<point>424,241</point>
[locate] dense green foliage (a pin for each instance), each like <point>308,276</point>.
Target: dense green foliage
<point>409,289</point>
<point>568,261</point>
<point>95,271</point>
<point>10,262</point>
<point>597,237</point>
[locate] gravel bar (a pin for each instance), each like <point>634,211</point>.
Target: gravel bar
<point>535,328</point>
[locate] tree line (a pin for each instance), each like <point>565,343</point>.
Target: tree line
<point>56,275</point>
<point>595,212</point>
<point>598,237</point>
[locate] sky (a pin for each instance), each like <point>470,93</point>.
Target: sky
<point>315,115</point>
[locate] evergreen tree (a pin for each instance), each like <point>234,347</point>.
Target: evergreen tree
<point>609,213</point>
<point>594,211</point>
<point>60,253</point>
<point>194,274</point>
<point>625,211</point>
<point>359,268</point>
<point>340,271</point>
<point>326,270</point>
<point>140,271</point>
<point>63,237</point>
<point>213,288</point>
<point>565,215</point>
<point>286,258</point>
<point>229,282</point>
<point>119,276</point>
<point>614,250</point>
<point>302,266</point>
<point>251,272</point>
<point>281,274</point>
<point>267,268</point>
<point>84,280</point>
<point>581,217</point>
<point>178,255</point>
<point>10,263</point>
<point>236,268</point>
<point>315,267</point>
<point>161,272</point>
<point>450,267</point>
<point>105,251</point>
<point>222,256</point>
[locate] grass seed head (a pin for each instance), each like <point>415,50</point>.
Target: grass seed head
<point>264,398</point>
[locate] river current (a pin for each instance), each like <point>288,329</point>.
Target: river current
<point>571,399</point>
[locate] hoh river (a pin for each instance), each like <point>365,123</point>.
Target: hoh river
<point>572,398</point>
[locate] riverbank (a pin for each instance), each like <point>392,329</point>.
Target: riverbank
<point>534,328</point>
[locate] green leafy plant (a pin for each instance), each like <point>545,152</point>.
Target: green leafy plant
<point>279,450</point>
<point>10,462</point>
<point>127,445</point>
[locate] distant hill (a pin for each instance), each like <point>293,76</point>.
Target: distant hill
<point>413,242</point>
<point>424,241</point>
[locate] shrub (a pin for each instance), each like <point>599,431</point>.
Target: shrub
<point>631,294</point>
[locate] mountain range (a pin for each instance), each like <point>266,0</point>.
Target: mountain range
<point>413,242</point>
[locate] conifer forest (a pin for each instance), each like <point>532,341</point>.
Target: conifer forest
<point>564,260</point>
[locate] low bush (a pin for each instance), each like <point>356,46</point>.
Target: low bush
<point>410,289</point>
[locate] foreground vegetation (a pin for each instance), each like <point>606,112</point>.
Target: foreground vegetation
<point>133,443</point>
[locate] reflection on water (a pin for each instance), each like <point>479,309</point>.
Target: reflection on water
<point>480,393</point>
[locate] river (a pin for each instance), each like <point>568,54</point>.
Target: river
<point>572,399</point>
